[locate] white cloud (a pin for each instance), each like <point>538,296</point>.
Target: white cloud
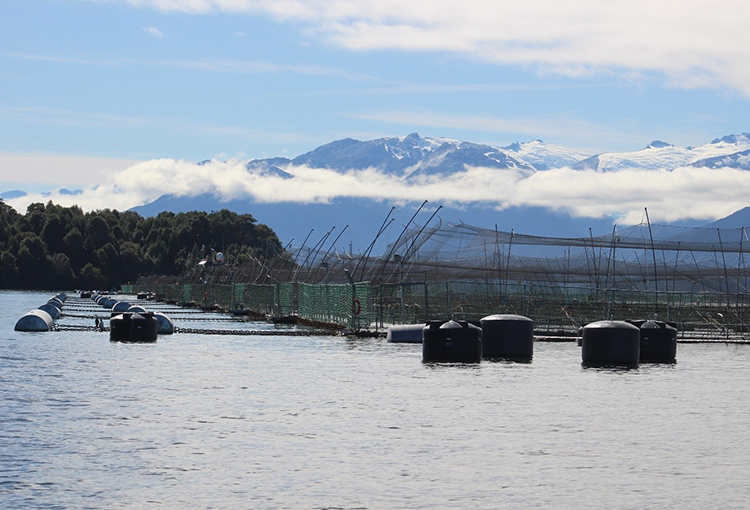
<point>154,32</point>
<point>216,65</point>
<point>27,171</point>
<point>682,193</point>
<point>693,43</point>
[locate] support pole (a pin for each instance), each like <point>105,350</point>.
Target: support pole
<point>656,277</point>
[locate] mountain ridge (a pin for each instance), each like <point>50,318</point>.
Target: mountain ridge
<point>416,160</point>
<point>413,156</point>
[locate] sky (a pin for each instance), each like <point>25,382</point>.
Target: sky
<point>93,92</point>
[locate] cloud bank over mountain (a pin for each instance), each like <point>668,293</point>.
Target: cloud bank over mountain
<point>674,183</point>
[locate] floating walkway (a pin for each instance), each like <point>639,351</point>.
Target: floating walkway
<point>81,309</point>
<point>194,331</point>
<point>257,332</point>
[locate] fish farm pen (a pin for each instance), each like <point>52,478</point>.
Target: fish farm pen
<point>695,278</point>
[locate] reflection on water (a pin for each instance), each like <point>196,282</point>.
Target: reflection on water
<point>311,422</point>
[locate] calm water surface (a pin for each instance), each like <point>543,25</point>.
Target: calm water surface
<point>319,422</point>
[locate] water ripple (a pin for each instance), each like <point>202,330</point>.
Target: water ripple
<point>326,422</point>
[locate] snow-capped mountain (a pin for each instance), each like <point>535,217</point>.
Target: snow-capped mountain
<point>662,155</point>
<point>739,160</point>
<point>543,156</point>
<point>413,155</point>
<point>413,161</point>
<point>270,167</point>
<point>408,157</point>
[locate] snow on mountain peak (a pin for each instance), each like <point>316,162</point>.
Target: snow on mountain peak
<point>544,156</point>
<point>414,155</point>
<point>409,155</point>
<point>742,139</point>
<point>662,155</point>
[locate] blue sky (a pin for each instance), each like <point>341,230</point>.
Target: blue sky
<point>90,87</point>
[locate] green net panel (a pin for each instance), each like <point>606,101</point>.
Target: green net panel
<point>553,308</point>
<point>326,303</point>
<point>258,298</point>
<point>286,299</point>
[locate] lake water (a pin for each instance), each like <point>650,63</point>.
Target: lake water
<point>204,421</point>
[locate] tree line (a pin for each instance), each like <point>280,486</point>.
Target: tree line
<point>55,247</point>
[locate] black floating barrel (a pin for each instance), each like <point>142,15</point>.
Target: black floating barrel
<point>451,342</point>
<point>507,337</point>
<point>658,342</point>
<point>133,327</point>
<point>405,333</point>
<point>610,343</point>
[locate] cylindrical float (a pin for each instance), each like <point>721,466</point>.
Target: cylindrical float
<point>52,310</point>
<point>658,342</point>
<point>507,337</point>
<point>136,309</point>
<point>165,324</point>
<point>55,302</point>
<point>615,343</point>
<point>405,334</point>
<point>35,320</point>
<point>451,342</point>
<point>133,327</point>
<point>107,303</point>
<point>121,306</point>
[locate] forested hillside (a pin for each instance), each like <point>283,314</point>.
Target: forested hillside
<point>54,247</point>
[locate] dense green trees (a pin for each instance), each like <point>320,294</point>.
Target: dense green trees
<point>55,247</point>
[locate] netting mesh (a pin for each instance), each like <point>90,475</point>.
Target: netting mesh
<point>326,303</point>
<point>641,257</point>
<point>694,276</point>
<point>554,309</point>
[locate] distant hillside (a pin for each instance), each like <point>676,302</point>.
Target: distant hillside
<point>64,248</point>
<point>737,219</point>
<point>294,221</point>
